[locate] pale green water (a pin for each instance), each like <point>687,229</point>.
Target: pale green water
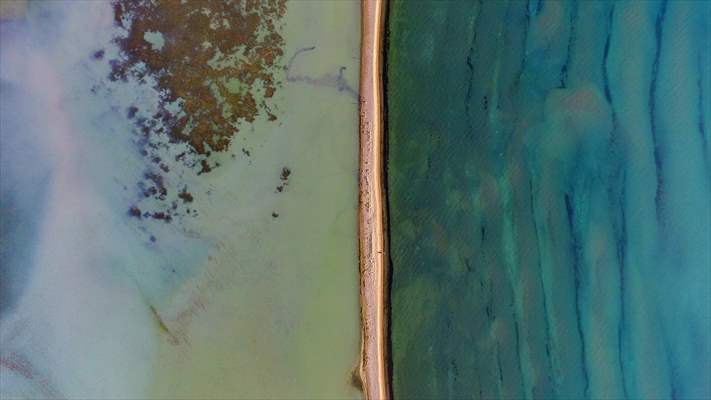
<point>282,318</point>
<point>227,301</point>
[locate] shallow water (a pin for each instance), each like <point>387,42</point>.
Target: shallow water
<point>252,293</point>
<point>550,199</point>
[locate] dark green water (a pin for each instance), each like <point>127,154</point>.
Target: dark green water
<point>550,199</point>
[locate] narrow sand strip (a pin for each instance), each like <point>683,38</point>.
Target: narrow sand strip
<point>372,218</point>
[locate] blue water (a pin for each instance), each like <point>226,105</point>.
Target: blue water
<point>549,185</point>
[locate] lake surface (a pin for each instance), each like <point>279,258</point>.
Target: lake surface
<point>549,188</point>
<point>133,269</point>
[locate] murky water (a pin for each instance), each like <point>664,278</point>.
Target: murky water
<point>249,290</point>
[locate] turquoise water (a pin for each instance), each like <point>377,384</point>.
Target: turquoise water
<point>550,199</point>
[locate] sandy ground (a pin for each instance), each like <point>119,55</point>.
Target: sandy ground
<point>372,218</point>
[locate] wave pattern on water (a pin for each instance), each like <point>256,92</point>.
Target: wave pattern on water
<point>550,199</point>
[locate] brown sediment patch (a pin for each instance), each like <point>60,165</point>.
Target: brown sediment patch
<point>19,365</point>
<point>215,59</point>
<point>372,217</point>
<point>355,380</point>
<point>172,339</point>
<point>337,81</point>
<point>214,64</point>
<point>12,9</point>
<point>284,178</point>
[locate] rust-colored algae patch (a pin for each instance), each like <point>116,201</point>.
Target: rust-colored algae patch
<point>214,62</point>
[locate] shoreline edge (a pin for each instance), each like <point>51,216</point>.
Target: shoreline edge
<point>373,257</point>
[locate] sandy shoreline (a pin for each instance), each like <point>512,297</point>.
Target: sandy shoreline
<point>372,218</point>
